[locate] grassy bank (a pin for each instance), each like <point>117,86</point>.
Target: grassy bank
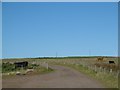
<point>9,69</point>
<point>23,72</point>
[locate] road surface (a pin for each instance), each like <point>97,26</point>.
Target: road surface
<point>63,77</point>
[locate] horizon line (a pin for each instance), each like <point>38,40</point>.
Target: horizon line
<point>59,56</point>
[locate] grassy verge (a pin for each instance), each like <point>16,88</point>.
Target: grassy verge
<point>38,71</point>
<point>43,70</point>
<point>35,70</point>
<point>108,80</point>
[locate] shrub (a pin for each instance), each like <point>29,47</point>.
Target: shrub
<point>7,67</point>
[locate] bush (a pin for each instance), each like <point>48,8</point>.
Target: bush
<point>7,67</point>
<point>33,66</point>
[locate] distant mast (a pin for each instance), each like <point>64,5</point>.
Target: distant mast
<point>56,54</point>
<point>89,52</point>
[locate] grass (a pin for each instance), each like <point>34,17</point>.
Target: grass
<point>9,69</point>
<point>43,70</point>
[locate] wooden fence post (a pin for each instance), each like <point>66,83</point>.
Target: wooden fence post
<point>100,68</point>
<point>47,66</point>
<point>104,70</point>
<point>110,70</point>
<point>95,69</point>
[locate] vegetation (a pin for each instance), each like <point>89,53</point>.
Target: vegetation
<point>9,67</point>
<point>79,63</point>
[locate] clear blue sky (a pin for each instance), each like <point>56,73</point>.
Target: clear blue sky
<point>0,30</point>
<point>70,29</point>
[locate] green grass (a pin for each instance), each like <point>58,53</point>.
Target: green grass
<point>43,70</point>
<point>9,69</point>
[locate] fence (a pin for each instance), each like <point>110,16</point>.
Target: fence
<point>89,64</point>
<point>98,67</point>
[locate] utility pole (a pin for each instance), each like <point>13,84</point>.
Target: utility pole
<point>56,54</point>
<point>89,52</point>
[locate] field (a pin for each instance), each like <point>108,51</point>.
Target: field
<point>99,71</point>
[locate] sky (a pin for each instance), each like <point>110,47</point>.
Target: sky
<point>60,0</point>
<point>68,29</point>
<point>0,30</point>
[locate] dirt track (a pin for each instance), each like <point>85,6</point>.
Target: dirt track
<point>63,77</point>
